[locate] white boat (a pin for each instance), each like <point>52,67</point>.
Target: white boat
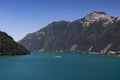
<point>58,56</point>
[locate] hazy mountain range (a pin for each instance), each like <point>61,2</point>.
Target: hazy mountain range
<point>96,32</point>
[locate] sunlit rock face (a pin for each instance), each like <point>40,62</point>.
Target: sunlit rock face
<point>117,19</point>
<point>96,17</point>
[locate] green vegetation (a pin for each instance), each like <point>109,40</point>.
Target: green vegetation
<point>9,47</point>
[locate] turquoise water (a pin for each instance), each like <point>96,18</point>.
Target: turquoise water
<point>59,66</point>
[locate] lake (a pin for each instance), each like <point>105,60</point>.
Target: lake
<point>59,66</point>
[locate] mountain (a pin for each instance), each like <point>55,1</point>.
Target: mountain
<point>96,32</point>
<point>9,47</point>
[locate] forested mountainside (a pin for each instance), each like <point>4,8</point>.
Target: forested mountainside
<point>9,47</point>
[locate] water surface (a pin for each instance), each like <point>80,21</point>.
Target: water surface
<point>59,66</point>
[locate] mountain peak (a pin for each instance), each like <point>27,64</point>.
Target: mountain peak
<point>97,28</point>
<point>95,12</point>
<point>96,16</point>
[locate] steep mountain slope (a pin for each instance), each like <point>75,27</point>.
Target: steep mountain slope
<point>9,47</point>
<point>96,32</point>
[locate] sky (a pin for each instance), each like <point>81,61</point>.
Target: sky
<point>20,17</point>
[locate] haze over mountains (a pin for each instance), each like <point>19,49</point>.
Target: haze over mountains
<point>96,32</point>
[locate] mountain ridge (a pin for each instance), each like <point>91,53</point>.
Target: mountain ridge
<point>93,31</point>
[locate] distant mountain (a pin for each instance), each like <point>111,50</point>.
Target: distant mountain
<point>96,32</point>
<point>9,47</point>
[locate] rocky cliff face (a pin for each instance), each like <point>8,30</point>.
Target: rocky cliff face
<point>96,32</point>
<point>9,47</point>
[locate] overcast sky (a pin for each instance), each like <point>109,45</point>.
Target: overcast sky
<point>20,17</point>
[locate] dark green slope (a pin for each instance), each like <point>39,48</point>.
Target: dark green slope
<point>9,47</point>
